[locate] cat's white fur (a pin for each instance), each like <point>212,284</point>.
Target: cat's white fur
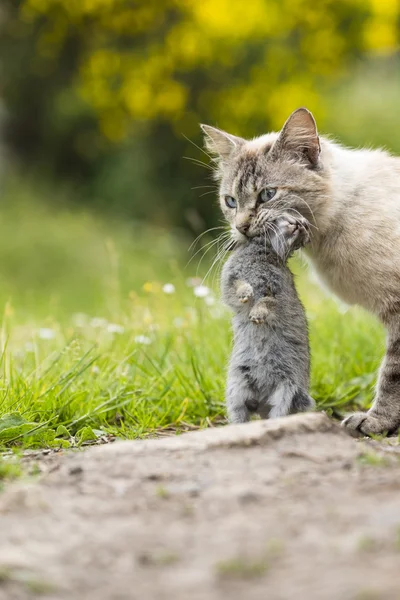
<point>362,264</point>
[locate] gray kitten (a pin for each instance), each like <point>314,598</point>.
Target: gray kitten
<point>269,369</point>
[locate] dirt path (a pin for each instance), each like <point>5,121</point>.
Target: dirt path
<point>285,509</point>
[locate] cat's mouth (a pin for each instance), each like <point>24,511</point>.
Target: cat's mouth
<point>237,238</point>
<point>264,223</point>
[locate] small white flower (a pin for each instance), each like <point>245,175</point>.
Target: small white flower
<point>98,322</point>
<point>45,333</point>
<point>115,328</point>
<point>95,370</point>
<point>79,319</point>
<point>193,281</point>
<point>209,300</point>
<point>201,291</point>
<point>30,347</point>
<point>179,322</point>
<point>143,339</point>
<point>168,288</point>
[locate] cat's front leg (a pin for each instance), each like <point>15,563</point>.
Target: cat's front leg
<point>384,415</point>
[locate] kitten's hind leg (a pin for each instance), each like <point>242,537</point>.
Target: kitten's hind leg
<point>263,310</point>
<point>241,397</point>
<point>236,409</point>
<point>288,399</point>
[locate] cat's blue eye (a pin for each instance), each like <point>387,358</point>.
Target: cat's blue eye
<point>230,202</point>
<point>267,194</point>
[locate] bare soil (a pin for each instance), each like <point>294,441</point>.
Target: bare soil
<point>292,508</point>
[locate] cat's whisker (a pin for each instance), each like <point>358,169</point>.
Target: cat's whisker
<point>222,238</point>
<point>207,247</point>
<point>201,187</point>
<point>219,265</point>
<point>279,237</point>
<point>295,212</point>
<point>204,248</point>
<point>266,232</point>
<point>216,260</point>
<point>198,162</point>
<point>225,249</point>
<point>307,205</point>
<point>205,193</point>
<point>198,147</point>
<point>198,238</point>
<point>269,228</point>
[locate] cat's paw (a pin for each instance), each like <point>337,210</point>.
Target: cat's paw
<point>244,292</point>
<point>368,424</point>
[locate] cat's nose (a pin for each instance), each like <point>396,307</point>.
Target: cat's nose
<point>243,227</point>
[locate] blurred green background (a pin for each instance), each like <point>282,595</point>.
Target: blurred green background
<point>100,95</point>
<point>100,105</point>
<point>102,192</point>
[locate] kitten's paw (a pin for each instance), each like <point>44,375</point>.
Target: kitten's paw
<point>259,314</point>
<point>369,424</point>
<point>244,292</point>
<point>294,230</point>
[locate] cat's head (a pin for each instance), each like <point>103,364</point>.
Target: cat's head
<point>274,174</point>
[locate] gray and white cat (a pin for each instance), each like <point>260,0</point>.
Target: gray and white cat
<point>352,199</point>
<point>269,369</point>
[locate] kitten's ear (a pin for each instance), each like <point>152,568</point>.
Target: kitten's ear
<point>219,142</point>
<point>299,136</point>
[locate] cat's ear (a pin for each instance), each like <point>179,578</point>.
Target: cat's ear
<point>219,142</point>
<point>299,137</point>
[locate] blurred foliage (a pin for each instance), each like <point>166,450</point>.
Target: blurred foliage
<point>102,92</point>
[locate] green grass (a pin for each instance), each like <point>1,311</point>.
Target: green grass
<point>9,470</point>
<point>241,568</point>
<point>91,345</point>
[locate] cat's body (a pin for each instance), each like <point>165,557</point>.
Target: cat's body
<point>352,197</point>
<point>269,368</point>
<point>356,246</point>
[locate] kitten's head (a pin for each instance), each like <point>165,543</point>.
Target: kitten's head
<point>263,178</point>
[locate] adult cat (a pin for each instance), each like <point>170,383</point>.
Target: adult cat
<point>353,199</point>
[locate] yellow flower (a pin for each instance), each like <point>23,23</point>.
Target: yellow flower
<point>148,287</point>
<point>8,310</point>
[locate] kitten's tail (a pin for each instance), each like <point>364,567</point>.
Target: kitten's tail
<point>301,402</point>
